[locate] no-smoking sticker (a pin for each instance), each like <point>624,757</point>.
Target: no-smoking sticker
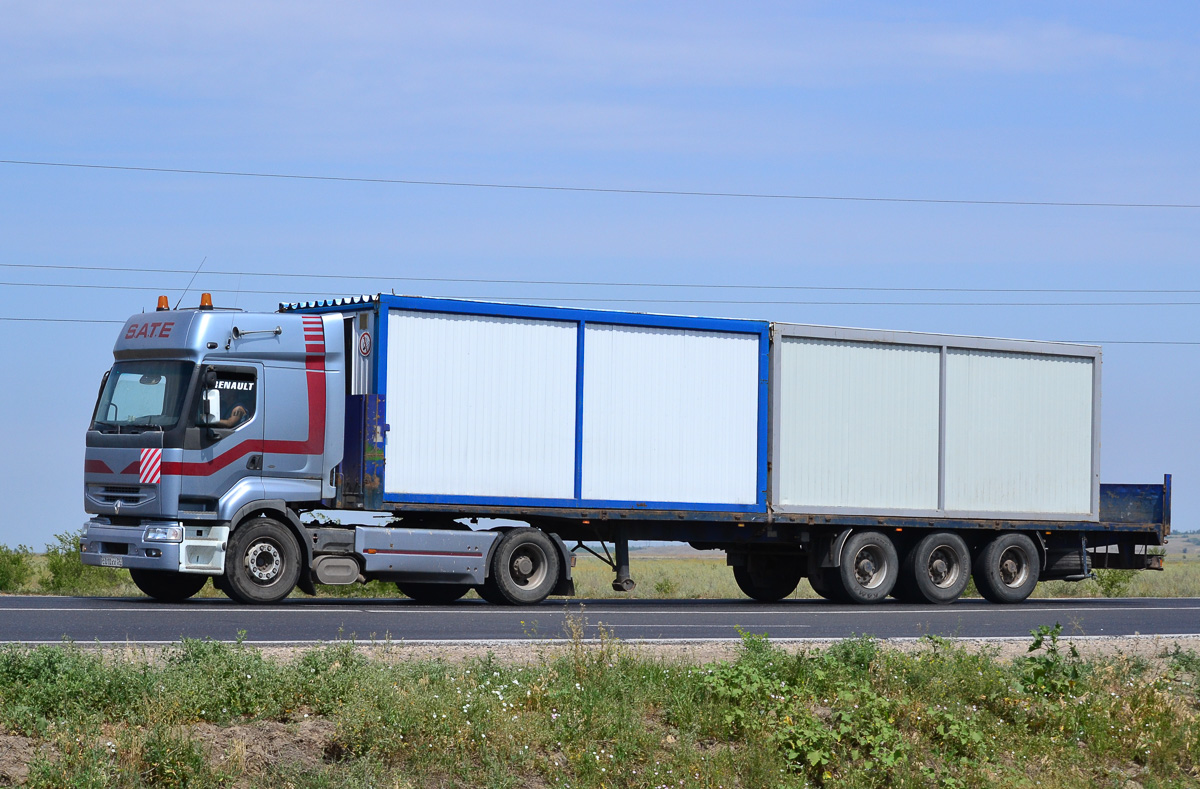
<point>364,343</point>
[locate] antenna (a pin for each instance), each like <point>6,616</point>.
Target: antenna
<point>190,281</point>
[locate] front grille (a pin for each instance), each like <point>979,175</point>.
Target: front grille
<point>125,494</point>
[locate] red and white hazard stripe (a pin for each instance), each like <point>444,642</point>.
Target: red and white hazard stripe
<point>148,469</point>
<point>314,334</point>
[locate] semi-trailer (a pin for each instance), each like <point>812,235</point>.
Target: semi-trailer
<point>495,440</point>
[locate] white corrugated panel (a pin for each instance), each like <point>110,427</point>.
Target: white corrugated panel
<point>670,415</point>
<point>480,406</point>
<point>858,425</point>
<point>1018,433</point>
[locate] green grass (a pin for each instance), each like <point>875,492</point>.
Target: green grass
<point>857,714</point>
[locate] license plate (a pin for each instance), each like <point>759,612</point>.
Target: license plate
<point>112,561</point>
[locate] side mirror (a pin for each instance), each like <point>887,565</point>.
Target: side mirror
<point>210,406</point>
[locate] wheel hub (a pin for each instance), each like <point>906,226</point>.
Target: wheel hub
<point>522,566</point>
<point>1013,567</point>
<point>263,561</point>
<point>943,568</point>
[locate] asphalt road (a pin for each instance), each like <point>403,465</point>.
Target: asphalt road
<point>121,620</point>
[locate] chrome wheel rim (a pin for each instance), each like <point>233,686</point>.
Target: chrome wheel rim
<point>527,566</point>
<point>264,562</point>
<point>1014,567</point>
<point>943,568</point>
<point>870,566</point>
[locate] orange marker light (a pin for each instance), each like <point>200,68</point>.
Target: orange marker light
<point>163,303</point>
<point>206,301</point>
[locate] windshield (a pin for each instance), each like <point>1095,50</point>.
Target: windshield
<point>142,395</point>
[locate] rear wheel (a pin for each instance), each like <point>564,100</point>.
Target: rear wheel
<point>262,564</point>
<point>825,581</point>
<point>1007,569</point>
<point>869,567</point>
<point>432,594</point>
<point>767,578</point>
<point>525,567</point>
<point>167,587</point>
<point>935,570</point>
<point>488,591</point>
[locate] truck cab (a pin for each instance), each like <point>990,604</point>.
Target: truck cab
<point>210,418</point>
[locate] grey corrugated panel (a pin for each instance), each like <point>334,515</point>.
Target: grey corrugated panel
<point>1018,432</point>
<point>858,425</point>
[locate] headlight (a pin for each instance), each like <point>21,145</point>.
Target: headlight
<point>163,534</point>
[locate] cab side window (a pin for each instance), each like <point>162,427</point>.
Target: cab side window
<point>230,401</point>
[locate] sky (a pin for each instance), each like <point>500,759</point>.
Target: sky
<point>1059,102</point>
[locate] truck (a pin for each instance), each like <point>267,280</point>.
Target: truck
<point>483,445</point>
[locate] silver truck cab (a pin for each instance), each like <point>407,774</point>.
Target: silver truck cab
<point>183,450</point>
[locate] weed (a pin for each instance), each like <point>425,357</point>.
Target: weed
<point>15,567</point>
<point>1114,583</point>
<point>69,575</point>
<point>666,587</point>
<point>1051,673</point>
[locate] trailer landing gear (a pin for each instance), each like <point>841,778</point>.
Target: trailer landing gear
<point>620,565</point>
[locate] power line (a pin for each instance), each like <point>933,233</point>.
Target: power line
<point>1088,342</point>
<point>56,320</point>
<point>601,190</point>
<point>585,283</point>
<point>588,300</point>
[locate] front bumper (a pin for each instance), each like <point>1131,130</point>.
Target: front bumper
<point>105,545</point>
<point>201,551</point>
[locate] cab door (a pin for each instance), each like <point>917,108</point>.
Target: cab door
<point>223,448</point>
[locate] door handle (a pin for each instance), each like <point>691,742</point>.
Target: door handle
<point>254,463</point>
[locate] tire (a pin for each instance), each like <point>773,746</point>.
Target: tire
<point>870,567</point>
<point>432,594</point>
<point>935,570</point>
<point>525,567</point>
<point>262,564</point>
<point>1007,569</point>
<point>167,587</point>
<point>767,579</point>
<point>825,581</point>
<point>488,591</point>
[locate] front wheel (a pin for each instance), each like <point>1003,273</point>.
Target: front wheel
<point>167,587</point>
<point>525,567</point>
<point>262,564</point>
<point>1007,569</point>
